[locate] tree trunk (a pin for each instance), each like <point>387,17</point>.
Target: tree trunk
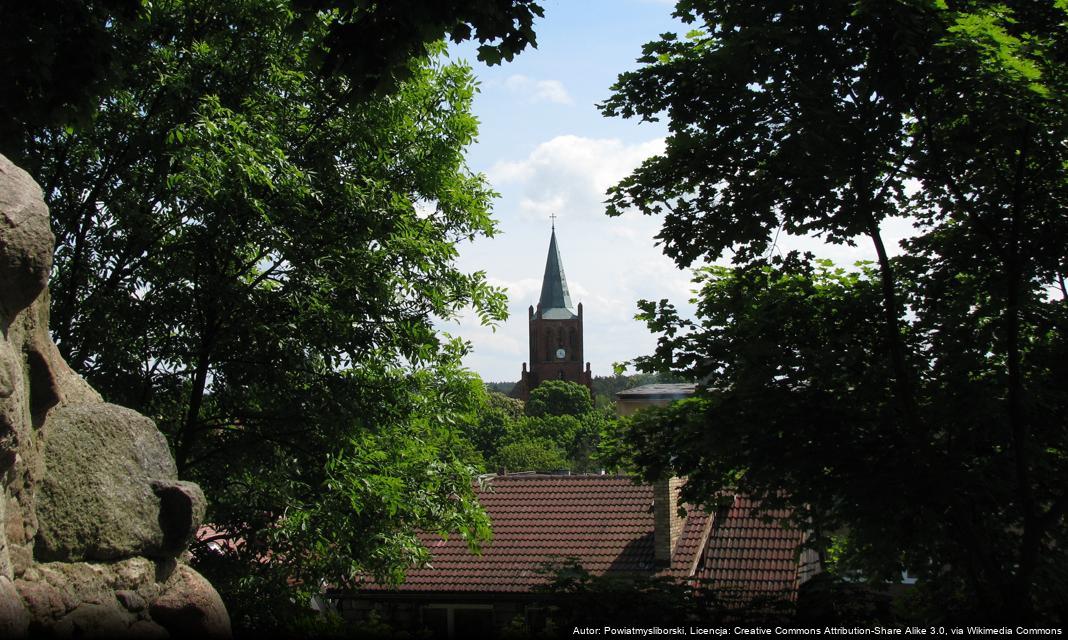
<point>1019,597</point>
<point>892,327</point>
<point>191,425</point>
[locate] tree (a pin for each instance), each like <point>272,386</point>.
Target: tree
<point>579,599</point>
<point>536,454</point>
<point>560,430</point>
<point>912,405</point>
<point>59,56</point>
<point>68,55</point>
<point>401,30</point>
<point>563,412</point>
<point>255,260</point>
<point>492,421</point>
<point>558,398</point>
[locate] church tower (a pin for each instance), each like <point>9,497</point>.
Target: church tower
<point>555,332</point>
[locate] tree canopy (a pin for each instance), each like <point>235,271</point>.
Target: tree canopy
<point>256,261</point>
<point>911,409</point>
<point>66,54</point>
<point>557,428</point>
<point>558,398</point>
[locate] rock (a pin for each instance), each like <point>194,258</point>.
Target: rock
<point>96,500</point>
<point>93,519</point>
<point>190,606</point>
<point>182,507</point>
<point>43,601</point>
<point>92,620</point>
<point>21,558</point>
<point>147,630</point>
<point>26,239</point>
<point>130,600</point>
<point>14,618</point>
<point>77,582</point>
<point>83,599</point>
<point>133,573</point>
<point>11,415</point>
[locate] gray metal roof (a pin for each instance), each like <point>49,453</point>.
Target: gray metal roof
<point>555,301</point>
<point>660,390</point>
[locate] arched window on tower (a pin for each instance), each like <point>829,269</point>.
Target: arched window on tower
<point>573,341</point>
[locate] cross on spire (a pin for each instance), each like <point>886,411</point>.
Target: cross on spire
<point>553,217</point>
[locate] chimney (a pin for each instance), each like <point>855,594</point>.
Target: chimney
<point>667,524</point>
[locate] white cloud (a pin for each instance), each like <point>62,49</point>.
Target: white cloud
<point>626,233</point>
<point>610,262</point>
<point>569,175</point>
<point>504,172</point>
<point>538,90</point>
<point>520,288</point>
<point>540,209</point>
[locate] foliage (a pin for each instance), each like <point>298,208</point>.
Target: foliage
<point>57,55</point>
<point>65,54</point>
<point>558,398</point>
<point>493,419</point>
<point>505,388</point>
<point>560,430</point>
<point>828,600</point>
<point>581,599</point>
<point>914,405</point>
<point>256,262</point>
<point>533,454</point>
<point>605,388</point>
<point>575,436</point>
<point>404,29</point>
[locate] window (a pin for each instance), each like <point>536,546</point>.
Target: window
<point>536,618</point>
<point>448,621</point>
<point>436,621</point>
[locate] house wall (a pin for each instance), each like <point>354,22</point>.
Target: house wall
<point>444,616</point>
<point>651,395</point>
<point>628,406</point>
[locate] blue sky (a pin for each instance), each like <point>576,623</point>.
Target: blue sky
<point>546,149</point>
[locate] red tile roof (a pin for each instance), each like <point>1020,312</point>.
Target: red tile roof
<point>750,555</point>
<point>603,522</point>
<point>606,524</point>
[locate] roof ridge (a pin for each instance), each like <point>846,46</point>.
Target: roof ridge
<point>549,476</point>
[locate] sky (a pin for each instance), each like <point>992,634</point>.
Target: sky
<point>546,148</point>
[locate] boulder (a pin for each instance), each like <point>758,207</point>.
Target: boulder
<point>190,606</point>
<point>99,497</point>
<point>14,618</point>
<point>26,239</point>
<point>91,600</point>
<point>94,522</point>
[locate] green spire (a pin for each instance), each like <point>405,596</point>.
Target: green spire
<point>555,302</point>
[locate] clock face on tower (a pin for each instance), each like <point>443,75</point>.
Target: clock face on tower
<point>560,353</point>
